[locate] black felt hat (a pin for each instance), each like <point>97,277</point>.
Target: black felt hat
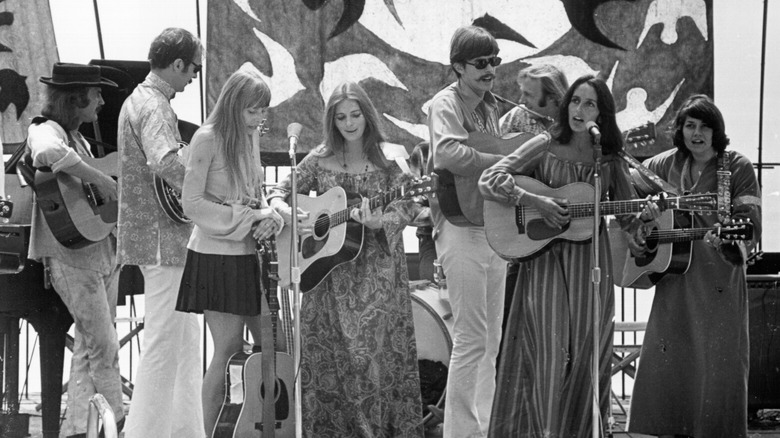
<point>66,75</point>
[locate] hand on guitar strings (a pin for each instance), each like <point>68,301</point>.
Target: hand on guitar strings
<point>642,228</point>
<point>554,211</point>
<point>285,211</point>
<point>364,215</point>
<point>651,211</point>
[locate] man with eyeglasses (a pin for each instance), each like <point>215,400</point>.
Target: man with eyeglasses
<point>475,274</point>
<point>166,396</point>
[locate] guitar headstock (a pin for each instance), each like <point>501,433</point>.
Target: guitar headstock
<point>422,185</point>
<point>641,135</point>
<point>267,248</point>
<point>6,210</point>
<point>736,231</point>
<point>706,202</point>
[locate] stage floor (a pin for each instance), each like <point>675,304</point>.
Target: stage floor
<point>766,425</point>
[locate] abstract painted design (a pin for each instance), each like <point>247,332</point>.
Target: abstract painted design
<point>652,53</point>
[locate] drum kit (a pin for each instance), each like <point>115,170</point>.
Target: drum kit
<point>433,333</point>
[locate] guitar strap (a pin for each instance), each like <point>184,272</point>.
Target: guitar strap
<point>724,188</point>
<point>647,173</point>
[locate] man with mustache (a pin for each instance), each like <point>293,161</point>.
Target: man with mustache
<point>85,278</point>
<point>475,274</point>
<point>168,384</point>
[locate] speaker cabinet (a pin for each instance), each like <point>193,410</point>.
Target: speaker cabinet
<point>764,331</point>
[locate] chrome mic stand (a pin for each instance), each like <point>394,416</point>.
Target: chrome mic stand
<point>596,282</point>
<point>295,280</point>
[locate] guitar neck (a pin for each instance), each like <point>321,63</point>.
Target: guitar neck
<point>287,319</point>
<point>678,235</point>
<point>583,210</point>
<point>342,216</point>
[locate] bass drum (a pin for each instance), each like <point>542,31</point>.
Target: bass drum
<point>433,333</point>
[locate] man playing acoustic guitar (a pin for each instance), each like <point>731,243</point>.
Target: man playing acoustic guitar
<point>84,275</point>
<point>475,274</point>
<point>169,377</point>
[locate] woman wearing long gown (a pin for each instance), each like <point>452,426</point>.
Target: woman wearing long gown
<point>693,372</point>
<point>359,358</point>
<point>545,384</point>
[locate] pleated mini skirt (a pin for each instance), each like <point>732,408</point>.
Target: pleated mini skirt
<point>222,283</point>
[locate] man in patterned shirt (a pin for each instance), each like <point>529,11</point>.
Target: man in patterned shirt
<point>166,398</point>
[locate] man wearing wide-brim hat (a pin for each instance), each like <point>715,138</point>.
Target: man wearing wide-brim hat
<point>83,270</point>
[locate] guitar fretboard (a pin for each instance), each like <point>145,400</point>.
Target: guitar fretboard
<point>704,202</point>
<point>690,234</point>
<point>342,216</point>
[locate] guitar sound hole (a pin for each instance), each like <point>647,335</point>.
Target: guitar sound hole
<point>321,226</point>
<point>280,399</point>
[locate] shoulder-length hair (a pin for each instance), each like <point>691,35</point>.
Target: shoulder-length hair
<point>62,104</point>
<point>611,138</point>
<point>701,107</point>
<point>244,89</point>
<point>372,135</point>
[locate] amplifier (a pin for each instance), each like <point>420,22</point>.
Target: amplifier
<point>764,331</point>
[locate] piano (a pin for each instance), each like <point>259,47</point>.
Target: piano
<point>23,295</point>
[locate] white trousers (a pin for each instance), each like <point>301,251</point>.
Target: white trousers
<point>166,398</point>
<point>476,278</point>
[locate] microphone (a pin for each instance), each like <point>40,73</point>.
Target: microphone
<point>593,130</point>
<point>293,132</point>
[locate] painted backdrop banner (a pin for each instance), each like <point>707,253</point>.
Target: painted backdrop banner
<point>652,53</point>
<point>27,51</point>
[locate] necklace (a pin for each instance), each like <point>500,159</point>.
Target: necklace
<point>345,165</point>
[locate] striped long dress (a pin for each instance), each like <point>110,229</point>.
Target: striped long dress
<point>544,380</point>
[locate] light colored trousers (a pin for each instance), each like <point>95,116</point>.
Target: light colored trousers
<point>476,278</point>
<point>166,398</point>
<point>91,299</point>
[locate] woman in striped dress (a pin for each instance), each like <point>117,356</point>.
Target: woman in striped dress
<point>544,384</point>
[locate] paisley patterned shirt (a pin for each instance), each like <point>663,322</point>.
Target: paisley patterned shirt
<point>148,144</point>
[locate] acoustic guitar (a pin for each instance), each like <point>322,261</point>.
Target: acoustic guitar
<point>520,232</point>
<point>336,239</point>
<point>252,407</point>
<point>669,244</point>
<point>75,211</point>
<point>453,188</point>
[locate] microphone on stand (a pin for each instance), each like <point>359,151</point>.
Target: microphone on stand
<point>593,130</point>
<point>293,132</point>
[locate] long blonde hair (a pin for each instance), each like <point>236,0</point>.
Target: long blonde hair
<point>244,89</point>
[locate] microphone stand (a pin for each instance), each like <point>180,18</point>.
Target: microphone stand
<point>295,279</point>
<point>596,282</point>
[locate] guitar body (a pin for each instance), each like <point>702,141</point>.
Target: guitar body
<point>76,214</point>
<point>661,259</point>
<point>169,200</point>
<point>327,247</point>
<point>512,236</point>
<point>241,415</point>
<point>452,187</point>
